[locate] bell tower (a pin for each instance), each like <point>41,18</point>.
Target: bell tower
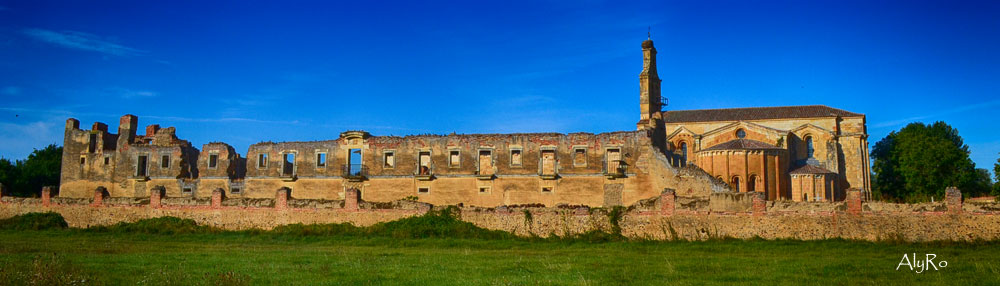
<point>650,102</point>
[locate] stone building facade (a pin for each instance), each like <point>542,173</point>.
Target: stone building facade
<point>743,147</point>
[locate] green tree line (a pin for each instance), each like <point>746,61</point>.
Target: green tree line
<point>920,161</point>
<point>25,178</point>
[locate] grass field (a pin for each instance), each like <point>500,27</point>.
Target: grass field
<point>116,256</point>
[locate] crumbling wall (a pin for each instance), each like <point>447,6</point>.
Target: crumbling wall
<point>665,217</point>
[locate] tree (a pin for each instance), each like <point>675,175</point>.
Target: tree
<point>996,177</point>
<point>27,177</point>
<point>919,161</point>
<point>9,174</point>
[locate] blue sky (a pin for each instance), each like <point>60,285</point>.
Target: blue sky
<point>242,72</point>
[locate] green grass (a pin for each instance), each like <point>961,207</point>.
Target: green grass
<point>388,254</point>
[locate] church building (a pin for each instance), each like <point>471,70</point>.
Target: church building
<point>799,153</point>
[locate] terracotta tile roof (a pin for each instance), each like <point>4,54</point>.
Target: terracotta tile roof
<point>755,113</point>
<point>810,169</point>
<point>742,144</point>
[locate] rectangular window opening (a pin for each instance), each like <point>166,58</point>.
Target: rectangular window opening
<point>107,160</point>
<point>548,162</point>
<point>320,159</point>
<point>485,162</point>
<point>546,189</point>
<point>187,190</point>
<point>424,163</point>
<point>515,157</point>
<point>389,160</point>
<point>454,160</point>
<point>614,161</point>
<point>140,168</point>
<point>579,157</point>
<point>261,160</point>
<point>83,160</point>
<point>423,190</point>
<point>234,190</point>
<point>93,143</point>
<point>484,189</point>
<point>289,164</point>
<point>165,161</point>
<point>213,161</point>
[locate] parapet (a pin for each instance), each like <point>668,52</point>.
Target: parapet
<point>99,126</point>
<point>72,123</point>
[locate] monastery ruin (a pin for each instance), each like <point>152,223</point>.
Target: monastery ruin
<point>791,172</point>
<point>796,153</point>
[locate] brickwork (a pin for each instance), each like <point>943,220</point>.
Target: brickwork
<point>351,199</point>
<point>953,198</point>
<point>854,200</point>
<point>667,202</point>
<point>281,199</point>
<point>217,196</point>
<point>99,195</point>
<point>155,197</point>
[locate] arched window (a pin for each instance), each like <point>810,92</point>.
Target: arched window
<point>809,147</point>
<point>684,153</point>
<point>741,133</point>
<point>752,183</point>
<point>736,183</point>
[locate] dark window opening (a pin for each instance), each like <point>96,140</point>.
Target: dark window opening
<point>93,143</point>
<point>165,161</point>
<point>107,160</point>
<point>234,190</point>
<point>752,183</point>
<point>546,189</point>
<point>140,169</point>
<point>213,161</point>
<point>289,164</point>
<point>484,190</point>
<point>736,183</point>
<point>389,160</point>
<point>684,153</point>
<point>187,190</point>
<point>809,147</point>
<point>83,160</point>
<point>741,134</point>
<point>423,190</point>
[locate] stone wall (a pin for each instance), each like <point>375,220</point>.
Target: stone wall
<point>664,217</point>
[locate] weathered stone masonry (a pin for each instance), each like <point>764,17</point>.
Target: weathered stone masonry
<point>773,172</point>
<point>665,217</point>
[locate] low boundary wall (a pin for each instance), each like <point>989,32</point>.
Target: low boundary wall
<point>665,217</point>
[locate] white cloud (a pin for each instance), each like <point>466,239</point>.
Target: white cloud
<point>81,41</point>
<point>18,140</point>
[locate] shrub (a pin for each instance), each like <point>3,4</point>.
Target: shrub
<point>441,224</point>
<point>34,221</point>
<point>160,225</point>
<point>299,229</point>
